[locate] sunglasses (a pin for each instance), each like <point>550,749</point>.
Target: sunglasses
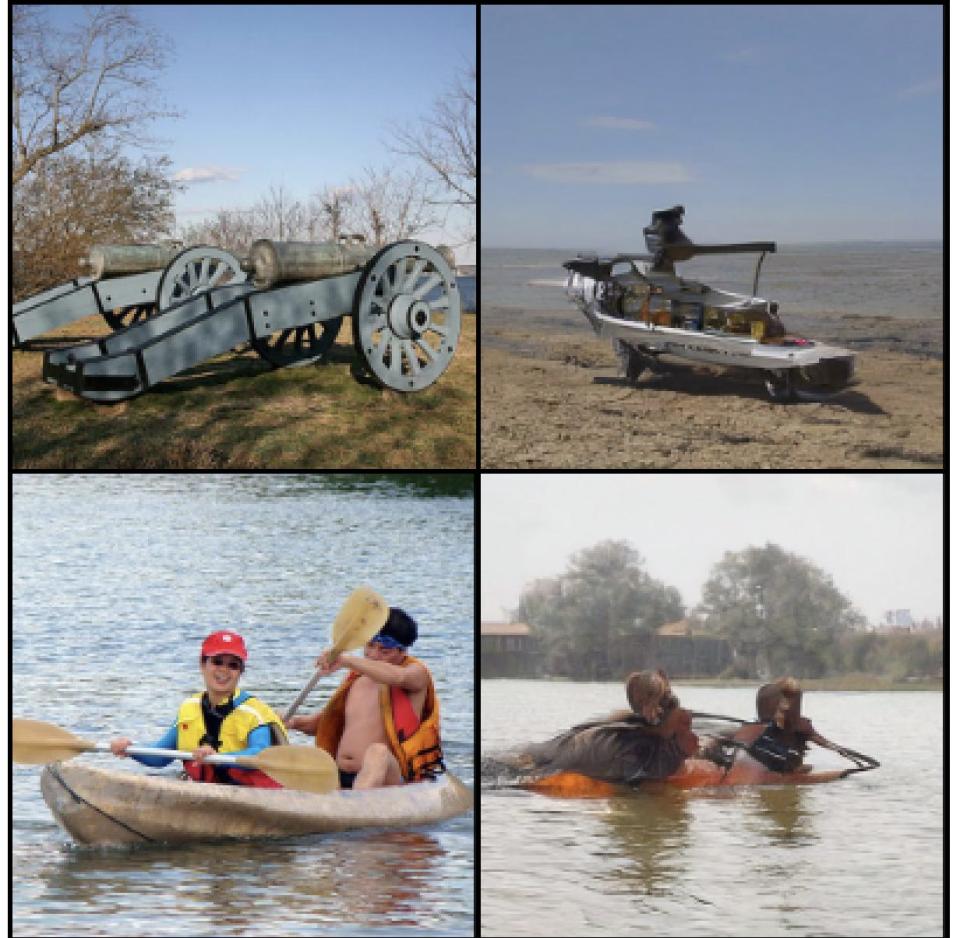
<point>218,661</point>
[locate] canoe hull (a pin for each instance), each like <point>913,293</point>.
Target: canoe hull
<point>694,773</point>
<point>100,807</point>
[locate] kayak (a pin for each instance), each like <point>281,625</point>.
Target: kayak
<point>98,807</point>
<point>694,773</point>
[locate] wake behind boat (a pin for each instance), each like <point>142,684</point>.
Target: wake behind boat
<point>101,807</point>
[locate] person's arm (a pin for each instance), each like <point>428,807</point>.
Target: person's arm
<point>258,740</point>
<point>411,677</point>
<point>806,730</point>
<point>168,741</point>
<point>679,725</point>
<point>305,724</point>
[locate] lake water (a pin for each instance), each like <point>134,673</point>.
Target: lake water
<point>899,279</point>
<point>861,856</point>
<point>117,579</point>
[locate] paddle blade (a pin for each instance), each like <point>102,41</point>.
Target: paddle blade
<point>303,768</point>
<point>360,618</point>
<point>37,743</point>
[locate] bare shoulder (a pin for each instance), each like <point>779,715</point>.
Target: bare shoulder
<point>415,675</point>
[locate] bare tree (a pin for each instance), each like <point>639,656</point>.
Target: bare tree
<point>279,215</point>
<point>96,81</point>
<point>329,212</point>
<point>445,141</point>
<point>231,230</point>
<point>389,205</point>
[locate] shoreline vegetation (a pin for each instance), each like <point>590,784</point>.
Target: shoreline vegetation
<point>850,682</point>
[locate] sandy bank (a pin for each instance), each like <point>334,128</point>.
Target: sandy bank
<point>555,400</point>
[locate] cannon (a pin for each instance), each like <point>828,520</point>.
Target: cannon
<point>127,283</point>
<point>286,299</point>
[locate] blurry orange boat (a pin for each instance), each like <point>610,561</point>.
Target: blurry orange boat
<point>694,773</point>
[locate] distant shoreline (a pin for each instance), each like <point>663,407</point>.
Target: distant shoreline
<point>864,683</point>
<point>918,242</point>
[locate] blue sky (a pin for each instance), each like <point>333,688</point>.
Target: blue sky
<point>795,124</point>
<point>295,95</point>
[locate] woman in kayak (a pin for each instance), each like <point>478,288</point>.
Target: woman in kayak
<point>222,719</point>
<point>780,739</point>
<point>650,741</point>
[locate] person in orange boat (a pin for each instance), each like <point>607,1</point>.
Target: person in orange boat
<point>382,724</point>
<point>780,739</point>
<point>650,741</point>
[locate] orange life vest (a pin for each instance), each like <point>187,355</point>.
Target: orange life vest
<point>413,739</point>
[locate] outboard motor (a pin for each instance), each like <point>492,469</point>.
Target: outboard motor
<point>663,231</point>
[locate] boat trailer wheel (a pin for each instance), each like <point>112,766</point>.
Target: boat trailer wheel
<point>780,386</point>
<point>302,345</point>
<point>406,316</point>
<point>194,271</point>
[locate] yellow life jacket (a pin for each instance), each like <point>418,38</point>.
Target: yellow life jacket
<point>419,756</point>
<point>248,713</point>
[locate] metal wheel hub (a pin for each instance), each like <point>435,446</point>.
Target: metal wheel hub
<point>406,316</point>
<point>409,317</point>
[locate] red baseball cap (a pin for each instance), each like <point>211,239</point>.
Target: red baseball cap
<point>224,643</point>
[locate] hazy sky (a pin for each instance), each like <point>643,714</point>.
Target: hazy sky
<point>299,96</point>
<point>788,123</point>
<point>880,537</point>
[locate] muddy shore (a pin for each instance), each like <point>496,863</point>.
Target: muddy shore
<point>552,397</point>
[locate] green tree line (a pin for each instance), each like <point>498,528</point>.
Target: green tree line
<point>779,613</point>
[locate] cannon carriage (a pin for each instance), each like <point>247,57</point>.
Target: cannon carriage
<point>172,309</point>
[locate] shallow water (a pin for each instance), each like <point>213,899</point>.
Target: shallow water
<point>903,280</point>
<point>116,579</point>
<point>862,856</point>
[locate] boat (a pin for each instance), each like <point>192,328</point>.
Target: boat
<point>101,807</point>
<point>694,773</point>
<point>640,302</point>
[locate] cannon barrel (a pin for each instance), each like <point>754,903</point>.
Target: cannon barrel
<point>110,260</point>
<point>286,261</point>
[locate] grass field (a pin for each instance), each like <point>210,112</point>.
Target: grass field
<point>236,412</point>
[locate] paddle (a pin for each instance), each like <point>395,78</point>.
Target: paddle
<point>863,762</point>
<point>359,619</point>
<point>299,767</point>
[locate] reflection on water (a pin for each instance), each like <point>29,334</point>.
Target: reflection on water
<point>116,580</point>
<point>862,856</point>
<point>648,830</point>
<point>324,881</point>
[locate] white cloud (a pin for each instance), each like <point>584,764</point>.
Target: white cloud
<point>628,172</point>
<point>743,54</point>
<point>619,123</point>
<point>921,89</point>
<point>198,174</point>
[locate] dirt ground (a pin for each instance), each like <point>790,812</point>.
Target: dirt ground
<point>557,401</point>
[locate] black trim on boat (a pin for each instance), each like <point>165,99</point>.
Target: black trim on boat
<point>52,770</point>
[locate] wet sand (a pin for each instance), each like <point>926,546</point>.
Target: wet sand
<point>552,397</point>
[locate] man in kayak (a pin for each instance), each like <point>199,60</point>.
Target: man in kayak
<point>780,739</point>
<point>382,724</point>
<point>222,719</point>
<point>650,741</point>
